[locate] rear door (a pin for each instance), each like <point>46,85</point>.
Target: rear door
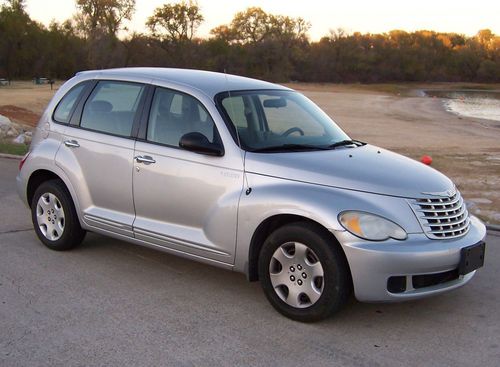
<point>185,201</point>
<point>98,150</point>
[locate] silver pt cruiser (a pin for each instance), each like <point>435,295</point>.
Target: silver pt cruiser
<point>248,176</point>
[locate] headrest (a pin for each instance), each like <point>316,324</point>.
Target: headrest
<point>101,106</point>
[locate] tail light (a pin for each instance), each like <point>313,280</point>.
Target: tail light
<point>21,164</point>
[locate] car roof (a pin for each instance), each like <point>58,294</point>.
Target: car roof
<point>209,82</point>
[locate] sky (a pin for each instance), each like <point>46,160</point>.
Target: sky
<point>376,16</point>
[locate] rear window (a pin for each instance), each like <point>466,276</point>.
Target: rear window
<point>111,107</point>
<point>64,109</point>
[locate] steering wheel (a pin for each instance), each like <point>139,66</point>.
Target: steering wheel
<point>293,130</point>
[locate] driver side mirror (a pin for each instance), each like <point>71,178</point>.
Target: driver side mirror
<point>199,143</point>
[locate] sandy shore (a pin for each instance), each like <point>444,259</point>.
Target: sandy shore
<point>400,123</point>
<point>465,149</point>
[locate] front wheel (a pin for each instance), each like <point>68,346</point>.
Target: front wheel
<point>54,216</point>
<point>304,273</point>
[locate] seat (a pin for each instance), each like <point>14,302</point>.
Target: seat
<point>98,117</point>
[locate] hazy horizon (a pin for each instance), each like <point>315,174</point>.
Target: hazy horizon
<point>365,17</point>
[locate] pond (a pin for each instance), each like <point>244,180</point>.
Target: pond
<point>470,103</point>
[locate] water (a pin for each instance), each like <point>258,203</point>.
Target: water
<point>470,103</point>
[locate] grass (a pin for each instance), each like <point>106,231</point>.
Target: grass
<point>13,148</point>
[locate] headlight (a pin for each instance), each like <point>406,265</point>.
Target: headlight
<point>371,226</point>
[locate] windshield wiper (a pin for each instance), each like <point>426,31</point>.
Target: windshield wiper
<point>288,147</point>
<point>346,142</point>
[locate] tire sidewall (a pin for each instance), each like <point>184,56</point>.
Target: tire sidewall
<point>71,223</point>
<point>335,286</point>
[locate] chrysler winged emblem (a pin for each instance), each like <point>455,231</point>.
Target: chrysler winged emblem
<point>446,194</point>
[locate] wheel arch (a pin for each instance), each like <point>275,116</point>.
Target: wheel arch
<point>42,175</point>
<point>36,179</point>
<point>266,227</point>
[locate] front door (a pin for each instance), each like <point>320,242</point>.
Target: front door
<point>184,201</point>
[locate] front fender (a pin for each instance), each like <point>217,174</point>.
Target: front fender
<point>271,196</point>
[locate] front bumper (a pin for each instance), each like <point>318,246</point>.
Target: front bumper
<point>373,263</point>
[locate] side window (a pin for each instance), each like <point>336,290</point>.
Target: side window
<point>62,113</point>
<point>243,113</point>
<point>174,114</point>
<point>235,108</point>
<point>111,107</point>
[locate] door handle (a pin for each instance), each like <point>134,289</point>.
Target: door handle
<point>146,159</point>
<point>71,143</point>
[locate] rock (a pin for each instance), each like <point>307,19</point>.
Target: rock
<point>4,121</point>
<point>20,139</point>
<point>11,133</point>
<point>5,125</point>
<point>6,128</point>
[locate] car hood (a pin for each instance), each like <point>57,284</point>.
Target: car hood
<point>366,168</point>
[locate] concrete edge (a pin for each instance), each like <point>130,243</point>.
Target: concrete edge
<point>11,156</point>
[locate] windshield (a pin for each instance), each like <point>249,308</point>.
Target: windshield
<point>274,120</point>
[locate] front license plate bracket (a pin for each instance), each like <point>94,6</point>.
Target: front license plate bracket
<point>471,258</point>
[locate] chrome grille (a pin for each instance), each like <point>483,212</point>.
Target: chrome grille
<point>444,217</point>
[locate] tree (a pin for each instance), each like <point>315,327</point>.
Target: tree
<point>274,44</point>
<point>175,22</point>
<point>103,16</point>
<point>224,33</point>
<point>484,36</point>
<point>99,21</point>
<point>252,25</point>
<point>20,41</point>
<point>255,43</point>
<point>16,5</point>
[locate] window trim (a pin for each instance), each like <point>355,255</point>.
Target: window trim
<point>75,106</point>
<point>144,124</point>
<point>77,115</point>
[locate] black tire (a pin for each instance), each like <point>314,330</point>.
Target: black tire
<point>336,282</point>
<point>72,233</point>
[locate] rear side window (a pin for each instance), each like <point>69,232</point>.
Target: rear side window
<point>63,111</point>
<point>111,107</point>
<point>174,114</point>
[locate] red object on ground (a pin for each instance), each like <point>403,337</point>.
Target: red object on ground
<point>426,159</point>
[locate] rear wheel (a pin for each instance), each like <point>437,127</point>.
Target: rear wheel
<point>54,216</point>
<point>304,274</point>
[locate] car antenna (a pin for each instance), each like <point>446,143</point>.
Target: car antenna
<point>242,154</point>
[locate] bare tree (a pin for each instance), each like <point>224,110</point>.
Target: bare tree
<point>175,22</point>
<point>103,16</point>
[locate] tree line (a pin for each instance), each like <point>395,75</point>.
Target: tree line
<point>255,43</point>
